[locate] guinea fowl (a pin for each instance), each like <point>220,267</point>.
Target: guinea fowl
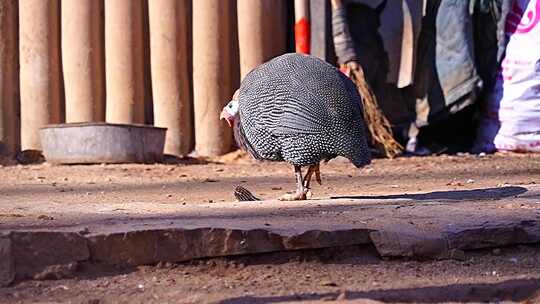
<point>298,109</point>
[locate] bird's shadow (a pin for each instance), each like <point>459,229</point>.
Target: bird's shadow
<point>452,195</point>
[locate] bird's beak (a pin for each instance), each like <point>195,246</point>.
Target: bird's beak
<point>226,117</point>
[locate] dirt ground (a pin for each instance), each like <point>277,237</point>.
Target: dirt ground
<point>344,273</point>
<point>192,183</point>
<point>508,274</point>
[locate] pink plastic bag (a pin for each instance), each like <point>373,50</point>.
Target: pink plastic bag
<point>513,109</point>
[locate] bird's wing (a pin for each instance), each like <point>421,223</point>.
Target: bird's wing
<point>291,94</point>
<point>301,111</point>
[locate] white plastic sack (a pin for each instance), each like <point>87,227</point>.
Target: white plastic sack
<point>513,110</point>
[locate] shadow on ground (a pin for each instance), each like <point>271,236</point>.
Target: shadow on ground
<point>454,195</point>
<point>511,290</point>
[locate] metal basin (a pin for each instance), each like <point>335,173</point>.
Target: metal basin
<point>97,142</point>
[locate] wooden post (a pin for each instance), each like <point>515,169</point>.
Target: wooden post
<point>261,32</point>
<point>9,101</point>
<point>212,76</point>
<point>39,68</point>
<point>83,60</point>
<point>170,82</point>
<point>124,61</point>
<point>301,26</point>
<point>251,33</point>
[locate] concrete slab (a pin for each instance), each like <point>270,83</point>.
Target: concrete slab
<point>427,225</point>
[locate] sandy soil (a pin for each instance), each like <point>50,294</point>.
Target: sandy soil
<point>346,273</point>
<point>32,196</point>
<point>513,273</point>
<point>212,182</point>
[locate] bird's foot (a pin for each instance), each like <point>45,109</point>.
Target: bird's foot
<point>296,196</point>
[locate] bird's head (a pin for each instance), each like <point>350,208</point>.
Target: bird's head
<point>230,112</point>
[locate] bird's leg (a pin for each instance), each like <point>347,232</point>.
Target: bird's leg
<point>301,191</point>
<point>307,179</point>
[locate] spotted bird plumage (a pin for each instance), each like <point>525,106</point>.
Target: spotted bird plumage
<point>299,109</point>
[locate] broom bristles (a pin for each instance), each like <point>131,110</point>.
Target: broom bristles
<point>378,125</point>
